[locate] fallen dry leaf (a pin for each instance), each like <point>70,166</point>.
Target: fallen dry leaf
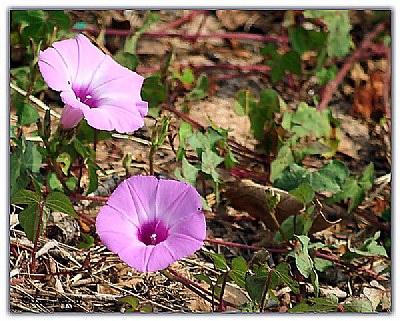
<point>251,197</point>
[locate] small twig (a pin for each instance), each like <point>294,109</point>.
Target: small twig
<point>221,296</point>
<point>35,100</point>
<point>94,40</point>
<point>187,282</point>
<point>94,139</point>
<point>202,22</point>
<point>36,242</point>
<point>331,87</point>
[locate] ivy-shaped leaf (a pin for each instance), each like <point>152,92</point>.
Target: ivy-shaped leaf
<point>57,201</point>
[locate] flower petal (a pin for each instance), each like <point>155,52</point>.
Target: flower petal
<point>70,116</point>
<point>137,256</point>
<point>191,225</point>
<point>130,198</point>
<point>82,59</point>
<point>181,245</point>
<point>115,85</point>
<point>54,70</point>
<point>143,107</point>
<point>176,200</point>
<point>116,230</point>
<point>112,117</point>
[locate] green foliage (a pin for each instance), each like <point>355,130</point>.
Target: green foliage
<point>218,260</point>
<point>29,219</point>
<point>127,56</point>
<point>88,156</point>
<point>87,241</point>
<point>324,75</point>
<point>306,132</point>
<point>287,228</point>
<point>25,164</point>
<point>58,201</point>
<point>155,92</point>
<point>280,64</point>
<point>26,113</point>
<point>212,149</point>
<point>360,306</point>
<point>303,40</point>
<point>39,24</point>
<point>38,212</point>
<point>304,193</point>
<point>338,42</point>
<point>127,59</point>
<point>256,281</point>
<point>238,271</point>
<point>131,42</point>
<point>132,301</point>
<point>334,177</point>
<point>261,113</point>
<point>370,248</point>
<point>354,190</point>
<point>326,304</point>
<point>187,77</point>
<point>25,197</point>
<point>200,91</point>
<point>304,262</point>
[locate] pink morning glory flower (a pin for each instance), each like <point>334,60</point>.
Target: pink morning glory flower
<point>151,223</point>
<point>93,86</point>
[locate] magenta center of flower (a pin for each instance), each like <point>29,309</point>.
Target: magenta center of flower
<point>84,96</point>
<point>152,232</point>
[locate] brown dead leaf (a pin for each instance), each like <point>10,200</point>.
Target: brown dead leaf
<point>233,19</point>
<point>251,197</point>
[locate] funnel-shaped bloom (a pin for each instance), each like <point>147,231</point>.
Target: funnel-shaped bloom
<point>93,86</point>
<point>152,223</point>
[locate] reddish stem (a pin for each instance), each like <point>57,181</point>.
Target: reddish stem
<point>349,265</point>
<point>86,218</point>
<point>181,21</point>
<point>193,37</point>
<point>265,291</point>
<point>331,87</point>
<point>244,246</point>
<point>79,197</point>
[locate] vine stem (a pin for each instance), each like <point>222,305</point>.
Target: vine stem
<point>316,253</point>
<point>86,218</point>
<point>79,197</point>
<point>192,37</point>
<point>349,265</point>
<point>331,87</point>
<point>244,246</point>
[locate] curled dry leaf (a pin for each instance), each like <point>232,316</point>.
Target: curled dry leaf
<point>368,97</point>
<point>251,197</point>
